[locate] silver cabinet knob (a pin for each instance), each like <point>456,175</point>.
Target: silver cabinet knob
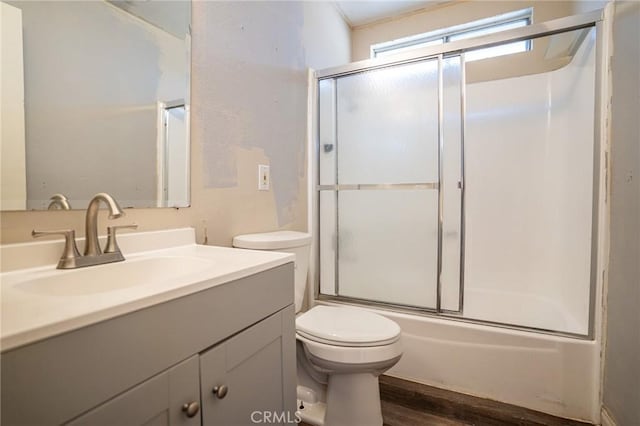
<point>191,408</point>
<point>220,391</point>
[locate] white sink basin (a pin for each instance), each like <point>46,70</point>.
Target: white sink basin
<point>38,301</point>
<point>114,276</point>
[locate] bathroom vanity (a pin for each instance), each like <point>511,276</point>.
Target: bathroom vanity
<point>213,343</point>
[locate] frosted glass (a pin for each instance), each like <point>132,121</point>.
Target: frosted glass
<point>452,175</point>
<point>328,242</point>
<point>388,125</point>
<point>327,131</point>
<point>388,243</point>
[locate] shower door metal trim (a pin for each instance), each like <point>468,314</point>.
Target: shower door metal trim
<point>463,128</point>
<point>440,180</point>
<point>445,314</point>
<point>336,282</point>
<point>378,186</point>
<point>529,32</point>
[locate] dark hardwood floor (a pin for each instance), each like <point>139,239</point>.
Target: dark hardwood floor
<point>399,415</point>
<point>406,403</point>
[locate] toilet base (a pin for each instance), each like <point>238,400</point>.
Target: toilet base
<point>350,391</point>
<point>312,413</point>
<point>353,399</point>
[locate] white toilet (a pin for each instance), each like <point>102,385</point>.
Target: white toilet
<point>341,350</point>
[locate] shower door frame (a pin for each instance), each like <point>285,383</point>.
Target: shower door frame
<point>599,230</point>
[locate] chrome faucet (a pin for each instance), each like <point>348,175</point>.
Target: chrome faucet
<point>91,245</point>
<point>93,255</point>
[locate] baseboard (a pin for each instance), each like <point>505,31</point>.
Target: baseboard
<point>606,418</point>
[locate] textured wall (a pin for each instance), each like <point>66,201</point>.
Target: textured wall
<point>253,94</point>
<point>622,356</point>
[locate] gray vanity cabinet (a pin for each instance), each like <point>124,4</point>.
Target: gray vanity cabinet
<point>141,368</point>
<point>246,378</point>
<point>156,402</point>
<point>237,382</point>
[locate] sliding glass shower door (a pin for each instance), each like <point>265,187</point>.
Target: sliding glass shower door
<point>471,189</point>
<point>381,167</point>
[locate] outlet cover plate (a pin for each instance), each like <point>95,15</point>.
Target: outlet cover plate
<point>264,177</point>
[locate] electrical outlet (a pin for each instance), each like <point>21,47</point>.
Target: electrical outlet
<point>264,177</point>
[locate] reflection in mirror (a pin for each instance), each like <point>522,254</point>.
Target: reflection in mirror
<point>96,100</point>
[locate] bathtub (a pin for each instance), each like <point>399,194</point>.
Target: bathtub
<point>554,374</point>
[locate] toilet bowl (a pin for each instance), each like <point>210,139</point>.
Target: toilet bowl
<point>341,350</point>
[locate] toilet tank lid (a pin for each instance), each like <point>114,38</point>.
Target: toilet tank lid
<point>272,240</point>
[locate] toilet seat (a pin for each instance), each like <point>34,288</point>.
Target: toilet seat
<point>346,327</point>
<point>352,356</point>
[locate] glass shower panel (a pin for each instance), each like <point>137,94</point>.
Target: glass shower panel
<point>451,186</point>
<point>529,144</point>
<point>387,247</point>
<point>388,125</point>
<point>328,242</point>
<point>327,131</point>
<point>387,136</point>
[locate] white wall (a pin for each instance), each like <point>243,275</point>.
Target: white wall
<point>325,35</point>
<point>529,160</point>
<point>13,192</point>
<point>622,352</point>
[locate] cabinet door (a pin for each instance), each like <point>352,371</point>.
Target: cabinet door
<point>155,402</point>
<point>253,374</point>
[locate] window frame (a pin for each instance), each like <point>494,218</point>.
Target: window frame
<point>384,49</point>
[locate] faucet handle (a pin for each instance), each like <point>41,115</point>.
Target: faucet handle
<point>70,252</point>
<point>112,244</point>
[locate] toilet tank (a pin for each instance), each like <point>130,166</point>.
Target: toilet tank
<point>294,242</point>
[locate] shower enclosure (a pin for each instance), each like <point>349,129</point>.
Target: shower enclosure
<point>460,182</point>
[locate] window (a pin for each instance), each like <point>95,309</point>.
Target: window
<point>482,27</point>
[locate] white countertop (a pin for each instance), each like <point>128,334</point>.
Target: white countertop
<point>29,315</point>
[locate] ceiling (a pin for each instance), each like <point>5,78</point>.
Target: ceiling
<point>357,12</point>
<point>174,16</point>
<point>170,16</point>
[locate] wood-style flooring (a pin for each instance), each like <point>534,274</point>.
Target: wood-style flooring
<point>406,403</point>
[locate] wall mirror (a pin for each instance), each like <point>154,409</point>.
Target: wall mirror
<point>95,99</point>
